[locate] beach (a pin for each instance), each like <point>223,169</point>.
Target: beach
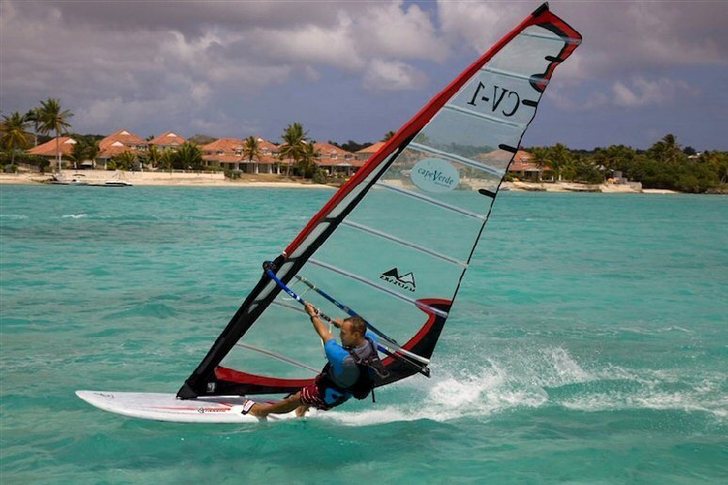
<point>181,179</point>
<point>218,179</point>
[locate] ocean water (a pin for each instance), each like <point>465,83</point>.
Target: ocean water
<point>588,344</point>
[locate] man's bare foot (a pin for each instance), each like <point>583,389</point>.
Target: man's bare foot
<point>254,409</point>
<point>301,411</point>
<point>258,411</point>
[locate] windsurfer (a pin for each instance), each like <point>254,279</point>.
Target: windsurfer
<point>345,375</point>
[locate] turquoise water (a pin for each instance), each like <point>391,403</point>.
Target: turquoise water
<point>588,343</point>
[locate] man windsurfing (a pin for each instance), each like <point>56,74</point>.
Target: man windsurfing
<point>348,373</point>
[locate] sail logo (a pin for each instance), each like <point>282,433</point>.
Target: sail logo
<point>406,281</point>
<point>435,175</point>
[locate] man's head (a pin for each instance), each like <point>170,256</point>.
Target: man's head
<point>352,331</point>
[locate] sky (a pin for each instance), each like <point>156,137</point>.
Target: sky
<point>355,70</point>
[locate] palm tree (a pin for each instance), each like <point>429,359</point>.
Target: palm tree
<point>187,157</point>
<point>388,136</point>
<point>154,156</point>
<point>251,150</point>
<point>293,144</point>
<point>52,118</point>
<point>541,159</point>
<point>14,134</point>
<point>307,163</point>
<point>32,117</point>
<point>85,149</point>
<point>125,160</point>
<point>666,150</point>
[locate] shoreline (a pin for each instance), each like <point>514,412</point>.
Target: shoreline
<point>163,179</point>
<point>217,179</point>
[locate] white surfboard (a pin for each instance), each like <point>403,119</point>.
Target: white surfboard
<point>166,407</point>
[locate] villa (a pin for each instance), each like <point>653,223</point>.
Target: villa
<point>335,160</point>
<point>525,169</point>
<point>229,153</point>
<point>167,140</point>
<point>117,143</point>
<point>48,149</point>
<point>367,152</point>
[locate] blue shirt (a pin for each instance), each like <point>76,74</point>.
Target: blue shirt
<point>344,371</point>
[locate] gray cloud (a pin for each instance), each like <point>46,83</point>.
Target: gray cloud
<point>198,65</point>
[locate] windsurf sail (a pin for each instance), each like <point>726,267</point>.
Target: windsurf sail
<point>394,242</point>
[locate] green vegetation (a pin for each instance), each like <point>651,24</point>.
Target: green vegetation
<point>52,118</point>
<point>187,157</point>
<point>294,141</point>
<point>86,148</point>
<point>14,134</point>
<point>665,165</point>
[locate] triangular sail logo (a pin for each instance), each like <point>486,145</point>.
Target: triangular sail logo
<point>405,281</point>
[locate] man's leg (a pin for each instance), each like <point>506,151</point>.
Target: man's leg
<point>281,407</point>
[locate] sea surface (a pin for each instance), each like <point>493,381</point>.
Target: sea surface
<point>588,344</point>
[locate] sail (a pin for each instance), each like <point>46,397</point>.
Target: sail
<point>394,242</point>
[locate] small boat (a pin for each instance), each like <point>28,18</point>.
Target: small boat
<point>116,183</point>
<point>60,179</point>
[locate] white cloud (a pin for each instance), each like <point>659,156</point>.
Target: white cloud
<point>479,24</point>
<point>642,92</point>
<point>392,76</point>
<point>389,31</point>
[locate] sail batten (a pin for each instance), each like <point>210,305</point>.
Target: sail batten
<point>508,74</point>
<point>429,200</point>
<point>408,244</point>
<point>568,40</point>
<point>456,158</point>
<point>377,286</point>
<point>482,116</point>
<point>396,239</point>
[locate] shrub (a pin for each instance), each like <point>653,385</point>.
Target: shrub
<point>320,177</point>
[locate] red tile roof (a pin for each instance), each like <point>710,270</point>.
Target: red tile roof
<point>124,137</point>
<point>167,139</point>
<point>48,149</point>
<point>522,162</point>
<point>224,145</point>
<point>116,148</point>
<point>230,150</point>
<point>372,149</point>
<point>266,145</point>
<point>328,150</point>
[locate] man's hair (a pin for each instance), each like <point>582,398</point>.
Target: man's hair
<point>358,324</point>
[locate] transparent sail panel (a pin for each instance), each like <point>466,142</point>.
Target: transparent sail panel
<point>409,239</point>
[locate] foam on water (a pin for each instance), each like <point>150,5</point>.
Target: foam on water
<point>537,381</point>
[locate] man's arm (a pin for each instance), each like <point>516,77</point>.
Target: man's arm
<point>320,326</point>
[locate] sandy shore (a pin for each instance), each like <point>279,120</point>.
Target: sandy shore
<point>628,188</point>
<point>163,179</point>
<point>267,181</point>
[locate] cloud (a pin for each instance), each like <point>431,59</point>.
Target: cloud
<point>633,37</point>
<point>195,64</point>
<point>643,92</point>
<point>391,31</point>
<point>637,92</point>
<point>392,76</point>
<point>478,24</point>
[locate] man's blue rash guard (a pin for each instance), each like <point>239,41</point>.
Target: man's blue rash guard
<point>344,371</point>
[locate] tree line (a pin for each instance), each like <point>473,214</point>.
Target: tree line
<point>665,165</point>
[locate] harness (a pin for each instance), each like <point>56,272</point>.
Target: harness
<point>369,367</point>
